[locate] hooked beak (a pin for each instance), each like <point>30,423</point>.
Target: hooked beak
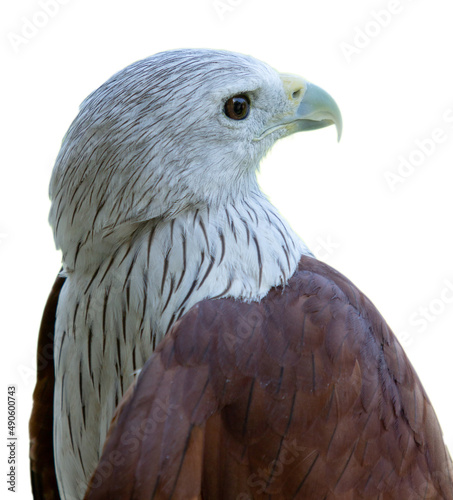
<point>311,108</point>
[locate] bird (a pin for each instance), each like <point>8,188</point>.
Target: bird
<point>195,347</point>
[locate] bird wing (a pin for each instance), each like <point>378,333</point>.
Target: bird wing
<point>306,394</point>
<point>42,469</point>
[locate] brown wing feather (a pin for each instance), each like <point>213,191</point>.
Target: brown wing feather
<point>305,395</point>
<point>42,469</point>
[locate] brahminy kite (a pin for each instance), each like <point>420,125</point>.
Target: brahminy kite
<point>263,373</point>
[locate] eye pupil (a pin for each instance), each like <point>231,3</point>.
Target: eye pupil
<point>237,107</point>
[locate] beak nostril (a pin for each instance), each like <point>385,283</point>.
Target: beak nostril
<point>296,94</point>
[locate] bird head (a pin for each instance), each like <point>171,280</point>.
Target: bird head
<point>180,130</point>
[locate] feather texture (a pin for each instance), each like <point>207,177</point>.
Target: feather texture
<point>42,469</point>
<point>306,394</point>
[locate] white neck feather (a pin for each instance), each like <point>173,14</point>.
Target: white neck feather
<point>241,250</point>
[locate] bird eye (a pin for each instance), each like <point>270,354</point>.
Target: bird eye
<point>237,107</point>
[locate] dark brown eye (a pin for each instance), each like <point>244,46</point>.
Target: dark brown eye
<point>237,107</point>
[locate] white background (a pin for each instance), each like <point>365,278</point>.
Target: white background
<point>390,73</point>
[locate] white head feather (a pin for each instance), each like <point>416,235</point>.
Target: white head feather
<point>154,141</point>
